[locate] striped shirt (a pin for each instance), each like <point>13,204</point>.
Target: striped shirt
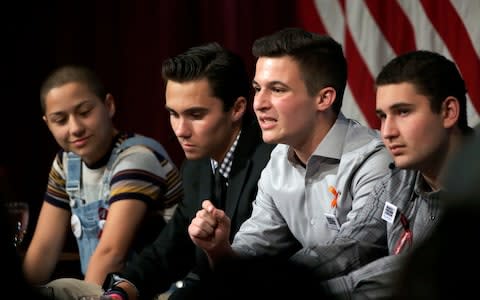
<point>138,173</point>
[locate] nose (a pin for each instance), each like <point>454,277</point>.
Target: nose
<point>75,126</point>
<point>389,128</point>
<point>181,127</point>
<point>260,101</point>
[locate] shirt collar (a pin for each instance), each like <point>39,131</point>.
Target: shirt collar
<point>226,164</point>
<point>331,145</point>
<point>423,189</point>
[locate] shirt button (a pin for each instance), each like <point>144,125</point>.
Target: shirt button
<point>432,218</point>
<point>312,221</point>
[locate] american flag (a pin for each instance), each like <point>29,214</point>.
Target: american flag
<point>374,31</point>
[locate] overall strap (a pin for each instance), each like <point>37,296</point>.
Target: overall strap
<point>74,172</point>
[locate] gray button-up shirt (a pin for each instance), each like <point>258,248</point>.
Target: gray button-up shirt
<point>299,206</point>
<point>416,204</point>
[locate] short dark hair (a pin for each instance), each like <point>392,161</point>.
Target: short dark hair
<point>320,58</point>
<point>224,70</point>
<point>433,75</point>
<point>72,73</point>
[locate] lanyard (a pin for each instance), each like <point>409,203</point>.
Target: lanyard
<point>406,237</point>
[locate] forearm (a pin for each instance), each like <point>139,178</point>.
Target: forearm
<point>218,256</point>
<point>102,263</point>
<point>36,273</point>
<point>37,266</point>
<point>160,264</point>
<point>374,280</point>
<point>339,258</point>
<point>46,245</point>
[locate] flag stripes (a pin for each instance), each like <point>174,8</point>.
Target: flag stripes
<point>374,31</point>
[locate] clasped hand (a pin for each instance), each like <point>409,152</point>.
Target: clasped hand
<point>210,229</point>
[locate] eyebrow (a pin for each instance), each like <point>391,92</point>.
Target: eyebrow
<point>271,83</point>
<point>55,114</point>
<point>396,106</point>
<point>76,107</point>
<point>189,110</point>
<point>400,105</point>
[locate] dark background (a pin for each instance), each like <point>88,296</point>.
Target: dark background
<point>125,41</point>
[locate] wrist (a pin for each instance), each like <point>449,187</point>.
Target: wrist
<point>122,287</point>
<point>117,293</point>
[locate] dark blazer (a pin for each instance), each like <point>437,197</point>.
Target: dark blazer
<point>173,255</point>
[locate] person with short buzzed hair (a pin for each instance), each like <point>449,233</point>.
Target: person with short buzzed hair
<point>114,189</point>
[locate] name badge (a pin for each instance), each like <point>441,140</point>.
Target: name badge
<point>389,212</point>
<point>332,222</point>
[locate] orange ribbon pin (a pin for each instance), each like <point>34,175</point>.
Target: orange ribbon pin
<point>334,192</point>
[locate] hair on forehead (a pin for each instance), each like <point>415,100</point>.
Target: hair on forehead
<point>72,74</point>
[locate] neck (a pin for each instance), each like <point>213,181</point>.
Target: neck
<point>433,183</point>
<point>305,149</point>
<point>220,155</point>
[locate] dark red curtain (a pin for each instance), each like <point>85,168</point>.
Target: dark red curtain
<point>126,42</point>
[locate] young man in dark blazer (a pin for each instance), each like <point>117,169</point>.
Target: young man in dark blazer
<point>207,96</point>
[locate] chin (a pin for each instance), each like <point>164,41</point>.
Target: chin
<point>270,139</point>
<point>193,155</point>
<point>83,154</point>
<point>404,164</point>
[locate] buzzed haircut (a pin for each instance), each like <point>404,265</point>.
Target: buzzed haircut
<point>72,73</point>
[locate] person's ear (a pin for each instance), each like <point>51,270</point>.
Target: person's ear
<point>450,111</point>
<point>238,109</point>
<point>110,105</point>
<point>325,98</point>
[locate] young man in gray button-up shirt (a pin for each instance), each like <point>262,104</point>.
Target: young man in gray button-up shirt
<point>325,166</point>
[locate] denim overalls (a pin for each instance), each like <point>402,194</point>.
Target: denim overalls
<point>88,219</point>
